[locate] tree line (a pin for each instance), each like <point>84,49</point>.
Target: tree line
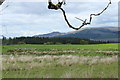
<point>44,40</point>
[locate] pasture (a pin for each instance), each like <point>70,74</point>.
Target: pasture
<point>60,61</point>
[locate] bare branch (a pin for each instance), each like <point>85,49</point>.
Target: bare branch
<point>58,6</point>
<point>1,1</point>
<point>84,21</point>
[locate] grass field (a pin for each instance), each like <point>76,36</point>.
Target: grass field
<point>60,61</point>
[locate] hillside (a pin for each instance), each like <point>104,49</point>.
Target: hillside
<point>53,34</point>
<point>101,33</point>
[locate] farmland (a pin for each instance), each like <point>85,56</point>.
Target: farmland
<point>60,61</point>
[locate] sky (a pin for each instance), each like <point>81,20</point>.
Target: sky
<point>29,18</point>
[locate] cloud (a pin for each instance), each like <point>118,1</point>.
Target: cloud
<point>31,18</point>
<point>110,17</point>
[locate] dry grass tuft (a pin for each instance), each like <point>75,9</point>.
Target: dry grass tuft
<point>29,62</point>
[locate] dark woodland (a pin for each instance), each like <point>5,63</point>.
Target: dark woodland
<point>56,40</point>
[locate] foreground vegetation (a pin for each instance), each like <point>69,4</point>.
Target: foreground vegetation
<point>60,61</point>
<point>60,67</point>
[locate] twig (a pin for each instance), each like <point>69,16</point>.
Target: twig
<point>79,19</point>
<point>4,8</point>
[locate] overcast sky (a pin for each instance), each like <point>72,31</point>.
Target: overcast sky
<point>33,18</point>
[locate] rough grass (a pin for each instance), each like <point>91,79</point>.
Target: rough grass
<point>60,61</point>
<point>60,66</point>
<point>85,50</point>
<point>108,47</point>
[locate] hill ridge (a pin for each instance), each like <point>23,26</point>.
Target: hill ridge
<point>94,33</point>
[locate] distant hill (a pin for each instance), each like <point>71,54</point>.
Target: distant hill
<point>101,33</point>
<point>53,34</point>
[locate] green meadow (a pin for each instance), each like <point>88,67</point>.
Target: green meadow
<point>60,61</point>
